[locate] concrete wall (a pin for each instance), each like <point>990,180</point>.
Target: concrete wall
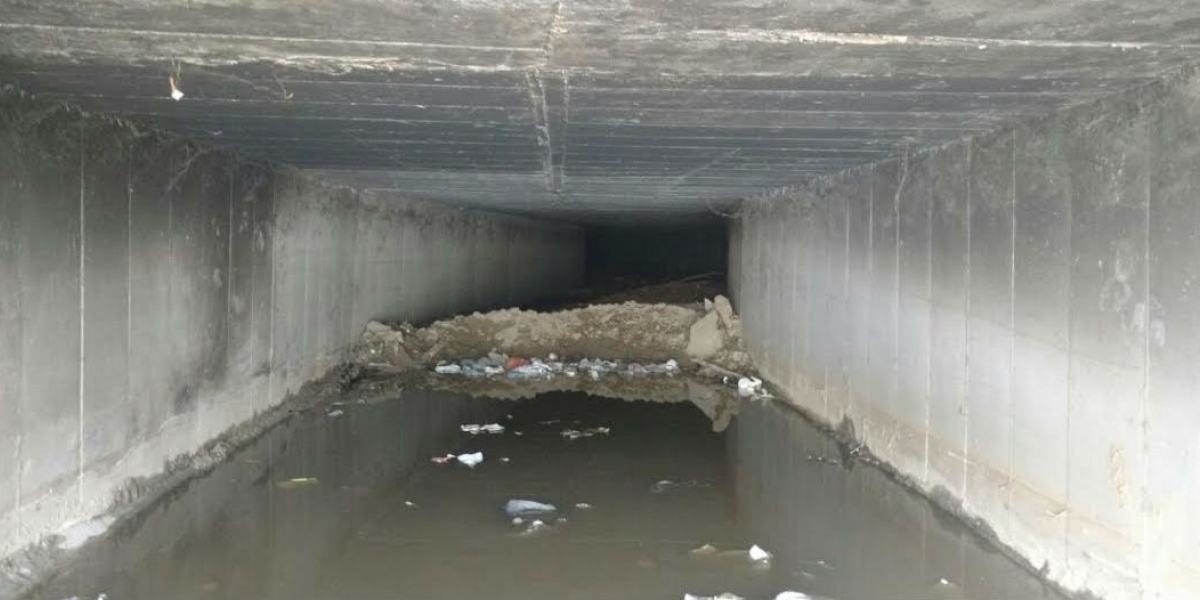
<point>1012,321</point>
<point>154,293</point>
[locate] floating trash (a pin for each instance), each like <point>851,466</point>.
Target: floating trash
<point>525,508</point>
<point>296,482</point>
<point>790,595</point>
<point>475,429</point>
<point>574,434</point>
<point>471,460</point>
<point>536,368</point>
<point>535,527</point>
<point>666,485</point>
<point>749,387</point>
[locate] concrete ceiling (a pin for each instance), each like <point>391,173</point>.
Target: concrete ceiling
<point>588,110</point>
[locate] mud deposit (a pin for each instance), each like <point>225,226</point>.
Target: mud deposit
<point>629,331</point>
<point>360,498</point>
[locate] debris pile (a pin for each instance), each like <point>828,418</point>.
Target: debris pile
<point>633,338</point>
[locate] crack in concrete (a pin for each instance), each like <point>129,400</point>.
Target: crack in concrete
<point>243,37</point>
<point>541,124</point>
<point>804,36</point>
<point>554,28</point>
<point>560,171</point>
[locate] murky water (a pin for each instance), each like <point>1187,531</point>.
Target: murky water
<point>351,506</point>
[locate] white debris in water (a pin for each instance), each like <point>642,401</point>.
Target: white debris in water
<point>505,459</point>
<point>583,506</point>
<point>666,485</point>
<point>448,369</point>
<point>790,595</point>
<point>574,434</point>
<point>76,534</point>
<point>476,429</point>
<point>441,460</point>
<point>723,596</point>
<point>176,93</point>
<point>758,555</point>
<point>749,387</point>
<point>471,460</point>
<point>336,413</point>
<point>410,504</point>
<point>525,508</point>
<point>661,486</point>
<point>534,528</point>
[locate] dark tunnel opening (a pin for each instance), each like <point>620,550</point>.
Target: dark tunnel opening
<point>670,263</point>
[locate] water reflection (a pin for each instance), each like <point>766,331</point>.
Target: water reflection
<point>237,533</point>
<point>854,532</point>
<point>371,516</point>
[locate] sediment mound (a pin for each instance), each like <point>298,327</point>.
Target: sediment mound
<point>630,331</point>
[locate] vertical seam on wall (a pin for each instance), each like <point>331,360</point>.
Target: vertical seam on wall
<point>169,195</point>
<point>1070,389</point>
<point>1012,321</point>
<point>82,313</point>
<point>251,296</point>
<point>1146,358</point>
<point>965,407</point>
<point>306,333</point>
<point>929,324</point>
<point>23,378</point>
<point>894,376</point>
<point>129,279</point>
<point>1070,377</point>
<point>826,295</point>
<point>273,218</point>
<point>792,367</point>
<point>229,279</point>
<point>846,313</point>
<point>867,425</point>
